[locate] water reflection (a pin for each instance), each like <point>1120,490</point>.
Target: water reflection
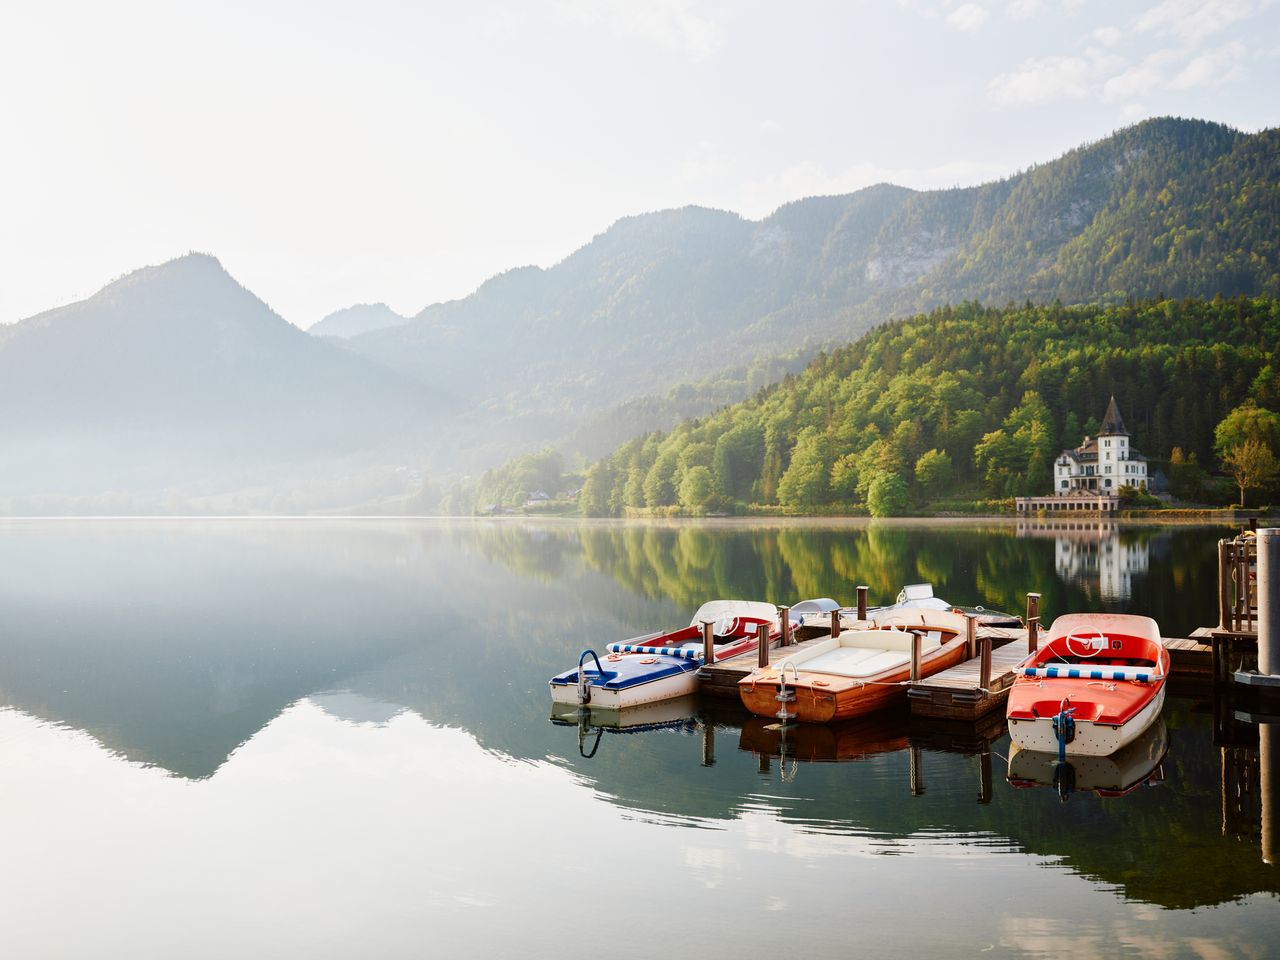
<point>175,693</point>
<point>1094,554</point>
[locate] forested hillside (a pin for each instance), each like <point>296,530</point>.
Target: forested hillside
<point>965,399</point>
<point>1168,207</point>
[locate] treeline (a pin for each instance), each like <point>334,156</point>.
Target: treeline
<point>962,403</point>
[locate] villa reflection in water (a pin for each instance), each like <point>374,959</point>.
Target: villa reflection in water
<point>1093,554</point>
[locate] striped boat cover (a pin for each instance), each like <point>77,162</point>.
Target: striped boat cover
<point>681,652</point>
<point>1076,672</point>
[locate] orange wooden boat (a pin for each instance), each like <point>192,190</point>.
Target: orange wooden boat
<point>856,673</point>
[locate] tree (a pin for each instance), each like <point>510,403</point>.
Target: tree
<point>594,501</point>
<point>660,481</point>
<point>887,496</point>
<point>697,488</point>
<point>933,472</point>
<point>804,484</point>
<point>1246,442</point>
<point>1252,464</point>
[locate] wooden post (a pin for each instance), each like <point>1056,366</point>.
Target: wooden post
<point>762,638</point>
<point>915,657</point>
<point>1033,622</point>
<point>708,744</point>
<point>984,665</point>
<point>1224,584</point>
<point>970,636</point>
<point>862,603</point>
<point>835,623</point>
<point>708,644</point>
<point>784,614</point>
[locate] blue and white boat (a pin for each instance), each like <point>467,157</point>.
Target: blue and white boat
<point>659,666</point>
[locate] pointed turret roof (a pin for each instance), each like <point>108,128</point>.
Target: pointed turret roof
<point>1112,422</point>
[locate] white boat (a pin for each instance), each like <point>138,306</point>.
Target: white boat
<point>660,666</point>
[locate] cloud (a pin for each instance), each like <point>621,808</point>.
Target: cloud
<point>1193,20</point>
<point>669,23</point>
<point>968,17</point>
<point>1044,79</point>
<point>1108,36</point>
<point>1150,74</point>
<point>1212,68</point>
<point>1024,9</point>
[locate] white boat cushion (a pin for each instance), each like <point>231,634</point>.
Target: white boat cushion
<point>857,662</point>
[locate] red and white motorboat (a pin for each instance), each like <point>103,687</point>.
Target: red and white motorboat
<point>1095,685</point>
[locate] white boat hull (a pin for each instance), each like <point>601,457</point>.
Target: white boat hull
<point>663,688</point>
<point>1091,739</point>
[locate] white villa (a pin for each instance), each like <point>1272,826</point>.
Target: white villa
<point>1102,464</point>
<point>1089,477</point>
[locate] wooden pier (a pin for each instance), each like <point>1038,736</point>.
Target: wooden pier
<point>958,693</point>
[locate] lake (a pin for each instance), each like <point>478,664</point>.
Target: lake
<point>325,738</point>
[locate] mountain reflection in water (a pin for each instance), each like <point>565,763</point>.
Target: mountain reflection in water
<point>338,730</point>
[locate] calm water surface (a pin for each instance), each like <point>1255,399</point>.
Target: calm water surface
<point>334,739</point>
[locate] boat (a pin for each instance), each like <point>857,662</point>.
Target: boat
<point>919,596</point>
<point>659,666</point>
<point>1096,684</point>
<point>1140,763</point>
<point>858,672</point>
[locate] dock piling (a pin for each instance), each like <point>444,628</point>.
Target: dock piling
<point>835,623</point>
<point>917,771</point>
<point>1033,622</point>
<point>915,657</point>
<point>762,640</point>
<point>784,614</point>
<point>970,636</point>
<point>984,665</point>
<point>708,643</point>
<point>862,602</point>
<point>1268,545</point>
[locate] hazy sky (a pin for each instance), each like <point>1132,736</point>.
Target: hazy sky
<point>333,153</point>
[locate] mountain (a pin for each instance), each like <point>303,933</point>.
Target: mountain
<point>177,379</point>
<point>1169,206</point>
<point>352,321</point>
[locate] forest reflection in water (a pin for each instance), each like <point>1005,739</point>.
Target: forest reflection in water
<point>381,673</point>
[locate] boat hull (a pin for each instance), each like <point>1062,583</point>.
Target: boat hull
<point>823,698</point>
<point>1091,739</point>
<point>605,697</point>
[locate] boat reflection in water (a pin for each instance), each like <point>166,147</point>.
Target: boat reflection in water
<point>1140,763</point>
<point>883,732</point>
<point>678,713</point>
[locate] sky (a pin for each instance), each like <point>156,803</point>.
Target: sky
<point>339,153</point>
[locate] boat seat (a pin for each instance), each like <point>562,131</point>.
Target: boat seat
<point>889,640</point>
<point>856,662</point>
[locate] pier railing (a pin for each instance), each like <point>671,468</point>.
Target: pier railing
<point>1237,585</point>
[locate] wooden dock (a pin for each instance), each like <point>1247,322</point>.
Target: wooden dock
<point>956,694</point>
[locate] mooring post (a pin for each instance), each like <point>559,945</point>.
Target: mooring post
<point>862,602</point>
<point>1033,622</point>
<point>1224,584</point>
<point>708,644</point>
<point>835,623</point>
<point>970,636</point>
<point>915,657</point>
<point>1268,600</point>
<point>784,614</point>
<point>762,641</point>
<point>708,744</point>
<point>984,666</point>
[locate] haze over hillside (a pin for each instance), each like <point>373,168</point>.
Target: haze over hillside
<point>1170,206</point>
<point>175,381</point>
<point>361,318</point>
